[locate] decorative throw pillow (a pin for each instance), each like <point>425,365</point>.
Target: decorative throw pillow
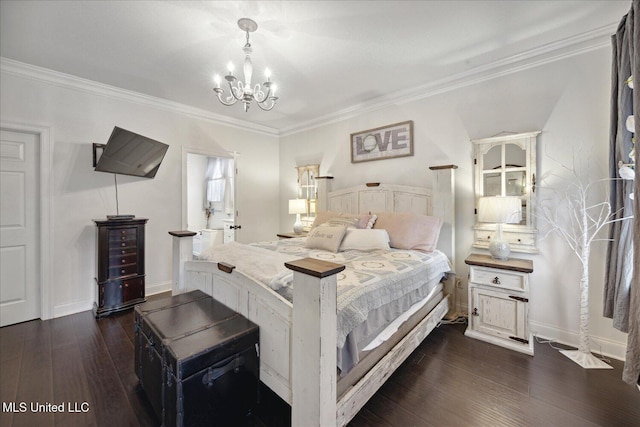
<point>349,222</point>
<point>365,240</point>
<point>410,231</point>
<point>364,220</point>
<point>326,237</point>
<point>322,217</point>
<point>372,221</point>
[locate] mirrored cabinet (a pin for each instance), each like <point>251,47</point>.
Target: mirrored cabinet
<point>308,190</point>
<point>505,165</point>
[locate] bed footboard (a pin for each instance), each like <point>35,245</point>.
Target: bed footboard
<point>297,342</point>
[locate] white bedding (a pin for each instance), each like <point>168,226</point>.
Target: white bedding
<point>375,285</point>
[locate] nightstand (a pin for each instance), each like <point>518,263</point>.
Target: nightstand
<point>291,235</point>
<point>499,301</point>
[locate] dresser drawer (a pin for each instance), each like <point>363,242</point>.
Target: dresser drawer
<point>122,270</point>
<point>128,236</point>
<point>120,260</point>
<point>498,278</point>
<point>122,250</point>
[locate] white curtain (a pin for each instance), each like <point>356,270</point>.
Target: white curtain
<point>219,184</point>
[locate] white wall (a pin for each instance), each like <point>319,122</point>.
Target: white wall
<point>79,117</point>
<point>568,100</point>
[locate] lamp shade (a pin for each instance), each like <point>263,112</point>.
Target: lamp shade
<point>500,210</point>
<point>297,206</point>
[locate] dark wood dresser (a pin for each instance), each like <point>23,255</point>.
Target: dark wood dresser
<point>119,264</point>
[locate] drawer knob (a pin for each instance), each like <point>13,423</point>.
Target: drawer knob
<point>122,271</point>
<point>123,261</point>
<point>475,312</point>
<point>123,245</point>
<point>496,280</point>
<point>126,285</point>
<point>122,252</point>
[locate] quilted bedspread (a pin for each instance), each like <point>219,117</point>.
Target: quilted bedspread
<point>370,280</point>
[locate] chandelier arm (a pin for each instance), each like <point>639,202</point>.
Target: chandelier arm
<point>273,100</point>
<point>236,91</point>
<point>258,90</point>
<point>219,92</point>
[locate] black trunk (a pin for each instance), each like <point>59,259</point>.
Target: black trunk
<point>196,360</point>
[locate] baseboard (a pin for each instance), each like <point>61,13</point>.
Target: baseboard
<point>85,305</point>
<point>599,345</point>
<point>157,288</point>
<point>72,308</point>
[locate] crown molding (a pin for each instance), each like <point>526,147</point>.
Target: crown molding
<point>32,72</point>
<point>551,52</point>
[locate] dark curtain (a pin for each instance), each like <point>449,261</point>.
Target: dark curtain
<point>622,283</point>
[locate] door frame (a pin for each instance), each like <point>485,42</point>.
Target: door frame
<point>208,153</point>
<point>45,135</point>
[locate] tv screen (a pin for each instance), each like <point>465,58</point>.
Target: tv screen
<point>128,153</point>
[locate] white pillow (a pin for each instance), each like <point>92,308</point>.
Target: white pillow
<point>325,237</point>
<point>365,240</point>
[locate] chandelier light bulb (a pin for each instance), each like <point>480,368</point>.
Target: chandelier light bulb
<point>230,67</point>
<point>216,79</point>
<point>273,90</point>
<point>267,73</point>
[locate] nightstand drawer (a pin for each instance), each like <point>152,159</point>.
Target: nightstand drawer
<point>498,278</point>
<point>515,239</point>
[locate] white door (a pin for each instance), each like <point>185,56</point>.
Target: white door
<point>198,169</point>
<point>19,227</point>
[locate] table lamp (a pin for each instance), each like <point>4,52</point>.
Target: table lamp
<point>500,210</point>
<point>297,207</point>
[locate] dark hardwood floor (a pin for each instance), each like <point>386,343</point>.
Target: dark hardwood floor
<point>450,380</point>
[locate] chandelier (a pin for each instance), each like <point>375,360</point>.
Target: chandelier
<point>239,91</point>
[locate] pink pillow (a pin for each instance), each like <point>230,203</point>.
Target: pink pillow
<point>410,231</point>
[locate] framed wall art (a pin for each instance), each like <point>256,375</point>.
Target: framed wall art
<point>381,143</point>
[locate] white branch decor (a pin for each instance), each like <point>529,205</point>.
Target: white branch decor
<point>579,228</point>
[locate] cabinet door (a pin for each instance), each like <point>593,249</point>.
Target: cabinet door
<point>112,294</point>
<point>132,289</point>
<point>499,314</point>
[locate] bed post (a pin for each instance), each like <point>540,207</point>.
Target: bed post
<point>182,252</point>
<point>444,206</point>
<point>324,187</point>
<point>313,342</point>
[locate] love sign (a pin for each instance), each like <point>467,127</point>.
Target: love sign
<point>382,143</point>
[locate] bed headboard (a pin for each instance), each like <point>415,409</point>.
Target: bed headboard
<point>380,198</point>
<point>439,200</point>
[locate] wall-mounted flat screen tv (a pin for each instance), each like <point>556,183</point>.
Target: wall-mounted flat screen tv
<point>128,153</point>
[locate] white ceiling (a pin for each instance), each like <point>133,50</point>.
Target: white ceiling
<point>327,57</point>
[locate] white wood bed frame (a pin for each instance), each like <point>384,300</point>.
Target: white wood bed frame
<point>298,342</point>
